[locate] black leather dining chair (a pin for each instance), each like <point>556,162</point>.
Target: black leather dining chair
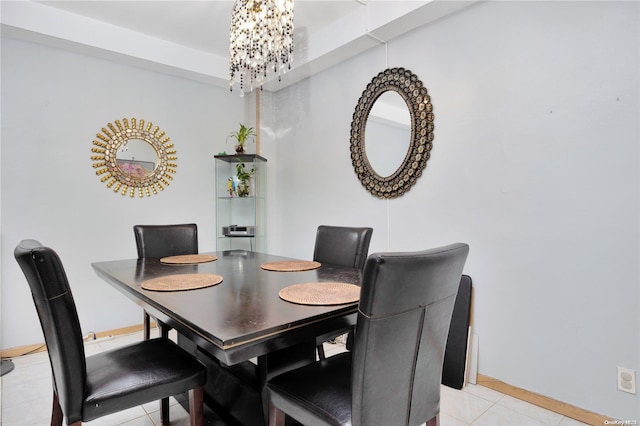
<point>166,240</point>
<point>157,241</point>
<point>343,246</point>
<point>392,375</point>
<point>86,388</point>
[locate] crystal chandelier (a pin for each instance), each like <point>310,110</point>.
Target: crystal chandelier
<point>261,41</point>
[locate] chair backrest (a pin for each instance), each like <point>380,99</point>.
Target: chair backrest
<point>59,320</point>
<point>166,240</point>
<point>344,246</point>
<point>405,308</point>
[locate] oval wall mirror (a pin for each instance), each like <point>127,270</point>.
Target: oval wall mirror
<point>390,177</point>
<point>134,157</point>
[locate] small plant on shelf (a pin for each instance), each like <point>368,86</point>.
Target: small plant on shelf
<point>242,136</point>
<point>244,179</point>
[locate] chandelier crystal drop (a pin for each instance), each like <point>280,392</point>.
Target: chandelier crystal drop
<point>260,41</point>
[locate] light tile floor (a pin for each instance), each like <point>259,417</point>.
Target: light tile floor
<point>25,399</point>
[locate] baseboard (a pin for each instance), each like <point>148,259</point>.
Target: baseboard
<point>41,347</point>
<point>551,404</point>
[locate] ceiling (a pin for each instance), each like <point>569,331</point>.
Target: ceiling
<point>191,38</point>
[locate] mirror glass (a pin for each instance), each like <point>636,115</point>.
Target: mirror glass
<point>388,133</point>
<point>137,157</point>
<point>134,157</point>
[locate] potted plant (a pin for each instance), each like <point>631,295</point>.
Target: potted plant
<point>241,137</point>
<point>244,178</point>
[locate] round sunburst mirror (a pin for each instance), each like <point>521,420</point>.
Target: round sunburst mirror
<point>392,158</point>
<point>134,157</point>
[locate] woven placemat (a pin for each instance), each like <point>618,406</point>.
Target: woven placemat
<point>181,282</point>
<point>291,265</point>
<point>323,293</point>
<point>186,259</point>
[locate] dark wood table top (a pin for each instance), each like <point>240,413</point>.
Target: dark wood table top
<point>242,317</point>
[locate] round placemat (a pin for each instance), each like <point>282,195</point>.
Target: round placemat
<point>186,259</point>
<point>291,265</point>
<point>181,282</point>
<point>323,293</point>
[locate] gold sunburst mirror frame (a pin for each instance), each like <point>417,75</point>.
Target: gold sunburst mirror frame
<point>118,174</point>
<point>411,89</point>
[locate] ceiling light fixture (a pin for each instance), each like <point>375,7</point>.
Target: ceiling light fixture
<point>260,41</point>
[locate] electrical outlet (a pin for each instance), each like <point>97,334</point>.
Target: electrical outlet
<point>626,380</point>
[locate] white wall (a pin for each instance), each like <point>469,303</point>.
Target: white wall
<point>53,104</point>
<point>535,164</point>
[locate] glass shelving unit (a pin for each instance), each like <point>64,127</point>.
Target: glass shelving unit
<point>240,208</point>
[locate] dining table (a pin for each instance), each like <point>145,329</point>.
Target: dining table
<point>241,327</point>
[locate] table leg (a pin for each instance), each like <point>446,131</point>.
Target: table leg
<point>236,393</point>
<point>281,361</point>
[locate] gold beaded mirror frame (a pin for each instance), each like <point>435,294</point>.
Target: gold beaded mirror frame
<point>411,89</point>
<point>114,157</point>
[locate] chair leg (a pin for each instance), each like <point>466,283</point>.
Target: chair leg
<point>321,354</point>
<point>276,416</point>
<point>56,414</point>
<point>196,410</point>
<point>164,330</point>
<point>435,421</point>
<point>146,325</point>
<point>164,402</point>
<point>56,411</point>
<point>164,411</point>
